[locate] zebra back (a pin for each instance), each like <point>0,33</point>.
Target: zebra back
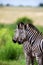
<point>32,33</point>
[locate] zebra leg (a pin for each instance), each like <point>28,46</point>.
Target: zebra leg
<point>32,60</point>
<point>27,59</point>
<point>42,59</point>
<point>39,60</point>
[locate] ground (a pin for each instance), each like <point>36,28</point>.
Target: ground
<point>9,15</point>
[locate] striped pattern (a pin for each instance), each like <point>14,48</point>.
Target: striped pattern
<point>35,38</point>
<point>32,41</point>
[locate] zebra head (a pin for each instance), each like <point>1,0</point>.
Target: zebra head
<point>20,34</point>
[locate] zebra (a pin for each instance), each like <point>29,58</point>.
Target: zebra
<point>32,40</point>
<point>36,40</point>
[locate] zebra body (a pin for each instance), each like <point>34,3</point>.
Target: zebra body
<point>35,38</point>
<point>32,41</point>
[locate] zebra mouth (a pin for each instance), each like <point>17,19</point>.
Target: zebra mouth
<point>14,41</point>
<point>20,42</point>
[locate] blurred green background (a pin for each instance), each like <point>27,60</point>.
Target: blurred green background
<point>12,53</point>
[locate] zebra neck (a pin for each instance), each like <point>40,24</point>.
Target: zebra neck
<point>31,36</point>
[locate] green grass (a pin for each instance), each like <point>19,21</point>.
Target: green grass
<point>10,53</point>
<point>40,28</point>
<point>14,62</point>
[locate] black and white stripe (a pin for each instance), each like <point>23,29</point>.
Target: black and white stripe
<point>35,38</point>
<point>32,41</point>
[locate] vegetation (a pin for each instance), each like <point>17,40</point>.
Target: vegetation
<point>1,4</point>
<point>24,20</point>
<point>9,15</point>
<point>9,52</point>
<point>41,4</point>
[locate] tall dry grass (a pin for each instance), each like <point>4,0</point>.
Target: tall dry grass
<point>9,15</point>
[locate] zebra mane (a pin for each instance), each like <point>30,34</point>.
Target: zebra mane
<point>32,26</point>
<point>20,23</point>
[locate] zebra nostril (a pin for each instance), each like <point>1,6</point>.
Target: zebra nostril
<point>19,42</point>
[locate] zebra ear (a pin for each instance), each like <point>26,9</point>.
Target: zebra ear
<point>27,25</point>
<point>21,25</point>
<point>18,26</point>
